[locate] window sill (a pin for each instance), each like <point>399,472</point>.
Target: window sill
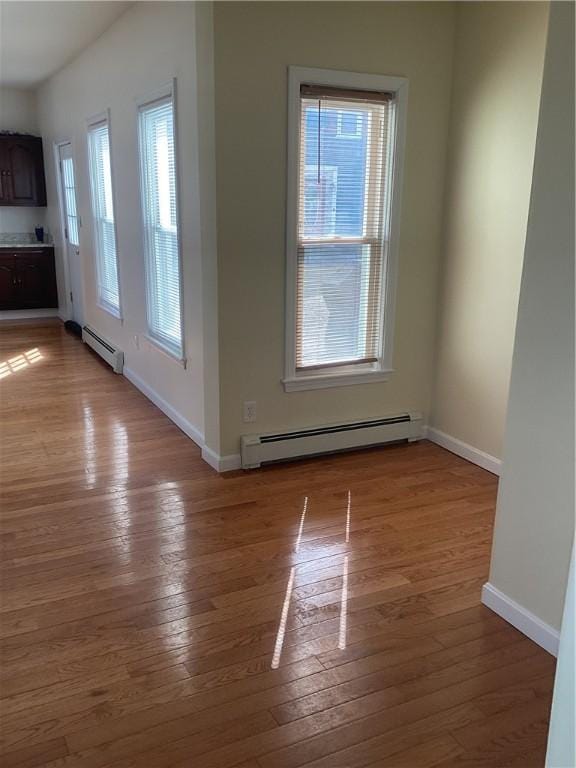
<point>157,345</point>
<point>326,380</point>
<point>110,310</point>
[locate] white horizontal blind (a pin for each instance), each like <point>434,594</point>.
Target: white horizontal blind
<point>343,197</point>
<point>103,211</point>
<point>70,201</point>
<point>163,278</point>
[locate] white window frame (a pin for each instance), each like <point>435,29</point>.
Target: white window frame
<point>368,372</point>
<point>62,215</point>
<point>166,91</point>
<point>104,117</point>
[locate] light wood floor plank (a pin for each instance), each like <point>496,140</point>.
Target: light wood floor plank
<point>143,594</point>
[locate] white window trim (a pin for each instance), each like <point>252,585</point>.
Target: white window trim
<point>379,371</point>
<point>163,350</point>
<point>104,117</point>
<point>168,90</point>
<point>62,217</point>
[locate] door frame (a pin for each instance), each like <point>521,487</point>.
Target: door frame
<point>68,312</point>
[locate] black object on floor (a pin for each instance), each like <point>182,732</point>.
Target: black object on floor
<point>73,327</point>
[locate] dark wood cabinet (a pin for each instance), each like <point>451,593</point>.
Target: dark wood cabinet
<point>21,171</point>
<point>7,281</point>
<point>28,279</point>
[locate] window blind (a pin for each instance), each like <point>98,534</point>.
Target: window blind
<point>70,201</point>
<point>158,172</point>
<point>343,198</point>
<point>103,211</point>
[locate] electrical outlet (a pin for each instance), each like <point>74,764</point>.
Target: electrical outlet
<point>249,411</point>
<point>137,341</point>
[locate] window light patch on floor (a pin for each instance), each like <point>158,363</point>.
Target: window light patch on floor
<point>19,362</point>
<point>283,621</point>
<point>301,526</point>
<point>343,607</point>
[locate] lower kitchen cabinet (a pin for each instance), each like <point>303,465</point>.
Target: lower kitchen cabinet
<point>28,279</point>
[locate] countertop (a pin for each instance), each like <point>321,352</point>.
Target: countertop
<point>15,246</point>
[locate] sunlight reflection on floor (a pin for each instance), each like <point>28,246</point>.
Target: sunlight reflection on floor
<point>288,595</point>
<point>18,362</point>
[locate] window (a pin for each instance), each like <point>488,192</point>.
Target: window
<point>343,170</point>
<point>320,197</point>
<point>159,209</point>
<point>69,191</point>
<point>103,212</point>
<point>349,125</point>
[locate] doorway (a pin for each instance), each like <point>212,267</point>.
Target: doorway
<point>71,230</point>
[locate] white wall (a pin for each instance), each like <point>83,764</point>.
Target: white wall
<point>561,751</point>
<point>254,45</point>
<point>207,167</point>
<point>148,45</point>
<point>498,65</point>
<point>18,113</point>
<point>18,110</point>
<point>535,512</point>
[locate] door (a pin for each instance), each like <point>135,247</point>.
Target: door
<point>4,177</point>
<point>31,284</point>
<point>8,282</point>
<point>71,222</point>
<point>36,279</point>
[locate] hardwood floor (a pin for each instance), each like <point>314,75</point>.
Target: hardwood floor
<point>324,613</point>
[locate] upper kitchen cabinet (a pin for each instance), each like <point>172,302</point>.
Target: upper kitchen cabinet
<point>21,170</point>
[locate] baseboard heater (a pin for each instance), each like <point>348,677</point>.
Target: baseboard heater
<point>260,449</point>
<point>114,357</point>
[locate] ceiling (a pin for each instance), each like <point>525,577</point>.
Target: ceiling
<point>38,38</point>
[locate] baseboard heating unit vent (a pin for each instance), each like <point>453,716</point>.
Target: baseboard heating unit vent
<point>259,449</point>
<point>114,357</point>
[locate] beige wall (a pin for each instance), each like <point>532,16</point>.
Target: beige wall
<point>497,77</point>
<point>535,513</point>
<point>146,47</point>
<point>234,234</point>
<point>254,45</point>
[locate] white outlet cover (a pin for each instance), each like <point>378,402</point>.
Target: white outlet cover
<point>249,411</point>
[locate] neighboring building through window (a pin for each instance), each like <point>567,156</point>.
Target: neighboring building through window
<point>340,252</point>
<point>350,125</point>
<point>160,217</point>
<point>103,213</point>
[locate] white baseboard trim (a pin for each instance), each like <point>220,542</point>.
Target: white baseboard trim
<point>186,427</point>
<point>468,452</point>
<point>221,463</point>
<point>27,314</point>
<point>530,625</point>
